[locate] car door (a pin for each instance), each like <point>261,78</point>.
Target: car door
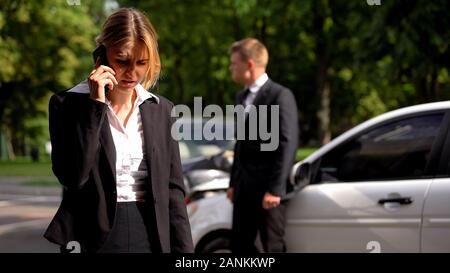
<point>367,194</point>
<point>436,218</point>
<point>435,236</point>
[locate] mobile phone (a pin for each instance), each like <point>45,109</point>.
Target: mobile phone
<point>100,51</point>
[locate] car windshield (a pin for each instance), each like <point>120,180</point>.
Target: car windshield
<point>198,146</point>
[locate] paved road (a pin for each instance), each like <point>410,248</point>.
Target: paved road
<point>25,212</point>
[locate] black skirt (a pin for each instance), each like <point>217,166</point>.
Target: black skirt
<point>133,230</point>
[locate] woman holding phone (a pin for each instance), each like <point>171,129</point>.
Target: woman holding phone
<point>113,152</point>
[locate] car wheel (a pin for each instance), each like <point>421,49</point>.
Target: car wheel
<point>217,245</point>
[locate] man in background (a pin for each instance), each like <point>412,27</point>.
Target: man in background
<point>258,178</point>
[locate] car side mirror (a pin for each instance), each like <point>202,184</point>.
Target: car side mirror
<point>300,175</point>
<point>187,187</point>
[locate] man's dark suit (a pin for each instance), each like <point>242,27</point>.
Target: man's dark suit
<point>256,172</point>
<point>84,160</point>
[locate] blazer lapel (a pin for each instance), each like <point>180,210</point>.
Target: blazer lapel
<point>149,111</point>
<point>262,93</point>
<point>240,97</point>
<point>107,142</point>
<point>260,97</point>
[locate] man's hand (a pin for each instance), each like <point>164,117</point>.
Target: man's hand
<point>270,201</point>
<point>230,192</point>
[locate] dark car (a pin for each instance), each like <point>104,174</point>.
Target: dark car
<point>204,161</point>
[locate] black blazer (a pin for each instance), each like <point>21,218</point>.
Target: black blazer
<point>83,160</point>
<point>255,172</point>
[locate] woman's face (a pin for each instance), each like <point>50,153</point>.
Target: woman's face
<point>130,62</point>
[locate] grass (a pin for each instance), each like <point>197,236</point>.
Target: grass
<point>40,172</point>
<point>25,168</point>
<point>304,152</point>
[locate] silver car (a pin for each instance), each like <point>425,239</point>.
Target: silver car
<point>382,186</point>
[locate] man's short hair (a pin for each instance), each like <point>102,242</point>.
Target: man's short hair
<point>251,48</point>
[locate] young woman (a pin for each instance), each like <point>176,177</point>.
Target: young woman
<point>113,152</point>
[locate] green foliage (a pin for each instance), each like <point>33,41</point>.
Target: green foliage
<point>304,152</point>
<point>44,47</point>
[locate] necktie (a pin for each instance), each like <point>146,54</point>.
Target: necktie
<point>244,98</point>
<point>249,98</point>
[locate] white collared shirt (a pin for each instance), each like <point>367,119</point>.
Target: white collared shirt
<point>131,165</point>
<point>254,88</point>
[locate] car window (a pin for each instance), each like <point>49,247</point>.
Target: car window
<point>397,150</point>
<point>195,148</point>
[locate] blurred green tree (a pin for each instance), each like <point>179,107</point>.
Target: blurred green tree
<point>412,38</point>
<point>44,47</point>
<point>346,61</point>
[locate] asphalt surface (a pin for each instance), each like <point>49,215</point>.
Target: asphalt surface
<point>25,212</point>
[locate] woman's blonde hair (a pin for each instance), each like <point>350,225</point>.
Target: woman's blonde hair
<point>131,25</point>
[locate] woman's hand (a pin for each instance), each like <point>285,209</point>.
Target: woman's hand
<point>100,77</point>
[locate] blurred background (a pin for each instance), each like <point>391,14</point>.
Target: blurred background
<point>345,61</point>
